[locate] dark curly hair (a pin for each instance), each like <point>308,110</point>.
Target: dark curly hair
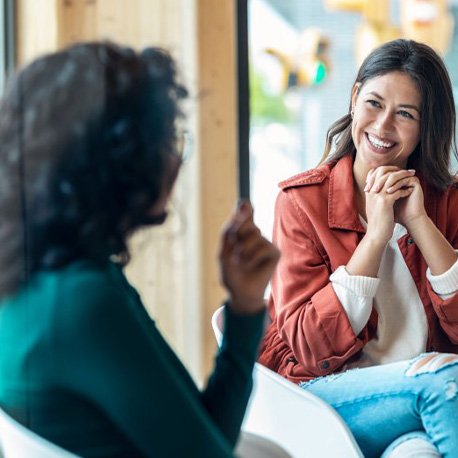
<point>438,117</point>
<point>84,138</point>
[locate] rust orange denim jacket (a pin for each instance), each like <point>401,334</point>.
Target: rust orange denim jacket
<point>317,229</point>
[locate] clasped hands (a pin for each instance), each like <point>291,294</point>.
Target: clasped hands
<point>393,195</point>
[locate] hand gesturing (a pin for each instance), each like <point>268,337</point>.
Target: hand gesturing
<point>247,261</point>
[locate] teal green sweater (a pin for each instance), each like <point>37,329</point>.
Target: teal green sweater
<point>83,365</point>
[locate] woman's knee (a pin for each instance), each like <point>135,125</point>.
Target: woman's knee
<point>412,445</point>
<point>444,368</point>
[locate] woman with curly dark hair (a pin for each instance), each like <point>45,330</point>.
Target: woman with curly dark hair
<point>88,154</point>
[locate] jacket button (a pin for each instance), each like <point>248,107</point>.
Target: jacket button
<point>325,365</point>
<point>409,241</point>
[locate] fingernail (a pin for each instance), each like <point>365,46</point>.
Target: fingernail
<point>411,170</point>
<point>244,206</point>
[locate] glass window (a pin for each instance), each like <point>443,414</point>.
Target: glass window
<point>303,59</point>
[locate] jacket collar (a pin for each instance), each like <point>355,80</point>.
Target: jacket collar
<point>342,210</point>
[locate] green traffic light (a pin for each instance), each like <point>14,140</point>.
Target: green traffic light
<point>320,73</point>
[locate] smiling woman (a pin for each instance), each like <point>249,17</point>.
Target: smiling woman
<point>368,277</point>
<point>386,121</point>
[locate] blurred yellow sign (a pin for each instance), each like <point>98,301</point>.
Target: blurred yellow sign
<point>426,21</point>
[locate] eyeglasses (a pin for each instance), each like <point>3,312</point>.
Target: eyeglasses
<point>184,145</point>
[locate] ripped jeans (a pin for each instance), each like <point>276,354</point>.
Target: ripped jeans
<point>382,403</point>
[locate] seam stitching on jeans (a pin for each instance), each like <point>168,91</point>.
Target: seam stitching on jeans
<point>376,396</point>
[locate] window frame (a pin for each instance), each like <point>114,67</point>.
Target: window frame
<point>243,91</point>
<point>7,46</point>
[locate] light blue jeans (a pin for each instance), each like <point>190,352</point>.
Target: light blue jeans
<point>382,403</point>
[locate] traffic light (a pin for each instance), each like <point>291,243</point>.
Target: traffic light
<point>309,65</point>
<point>313,59</point>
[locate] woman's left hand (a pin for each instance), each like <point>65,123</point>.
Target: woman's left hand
<point>411,208</point>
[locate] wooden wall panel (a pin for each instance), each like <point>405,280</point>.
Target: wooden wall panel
<point>218,136</point>
<point>37,28</point>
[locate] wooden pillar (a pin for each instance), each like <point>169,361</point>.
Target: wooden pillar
<point>218,140</point>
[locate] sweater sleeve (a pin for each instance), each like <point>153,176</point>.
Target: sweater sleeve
<point>111,354</point>
<point>446,284</point>
<point>356,294</point>
<point>229,386</point>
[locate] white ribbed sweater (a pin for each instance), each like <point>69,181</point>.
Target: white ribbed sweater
<point>402,327</point>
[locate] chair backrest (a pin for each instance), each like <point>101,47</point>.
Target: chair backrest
<point>301,423</point>
<point>16,441</point>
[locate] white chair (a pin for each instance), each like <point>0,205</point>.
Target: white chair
<point>16,441</point>
<point>304,425</point>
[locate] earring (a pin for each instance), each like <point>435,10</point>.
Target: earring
<point>352,112</point>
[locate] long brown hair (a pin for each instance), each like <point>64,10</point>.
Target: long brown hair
<point>437,125</point>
